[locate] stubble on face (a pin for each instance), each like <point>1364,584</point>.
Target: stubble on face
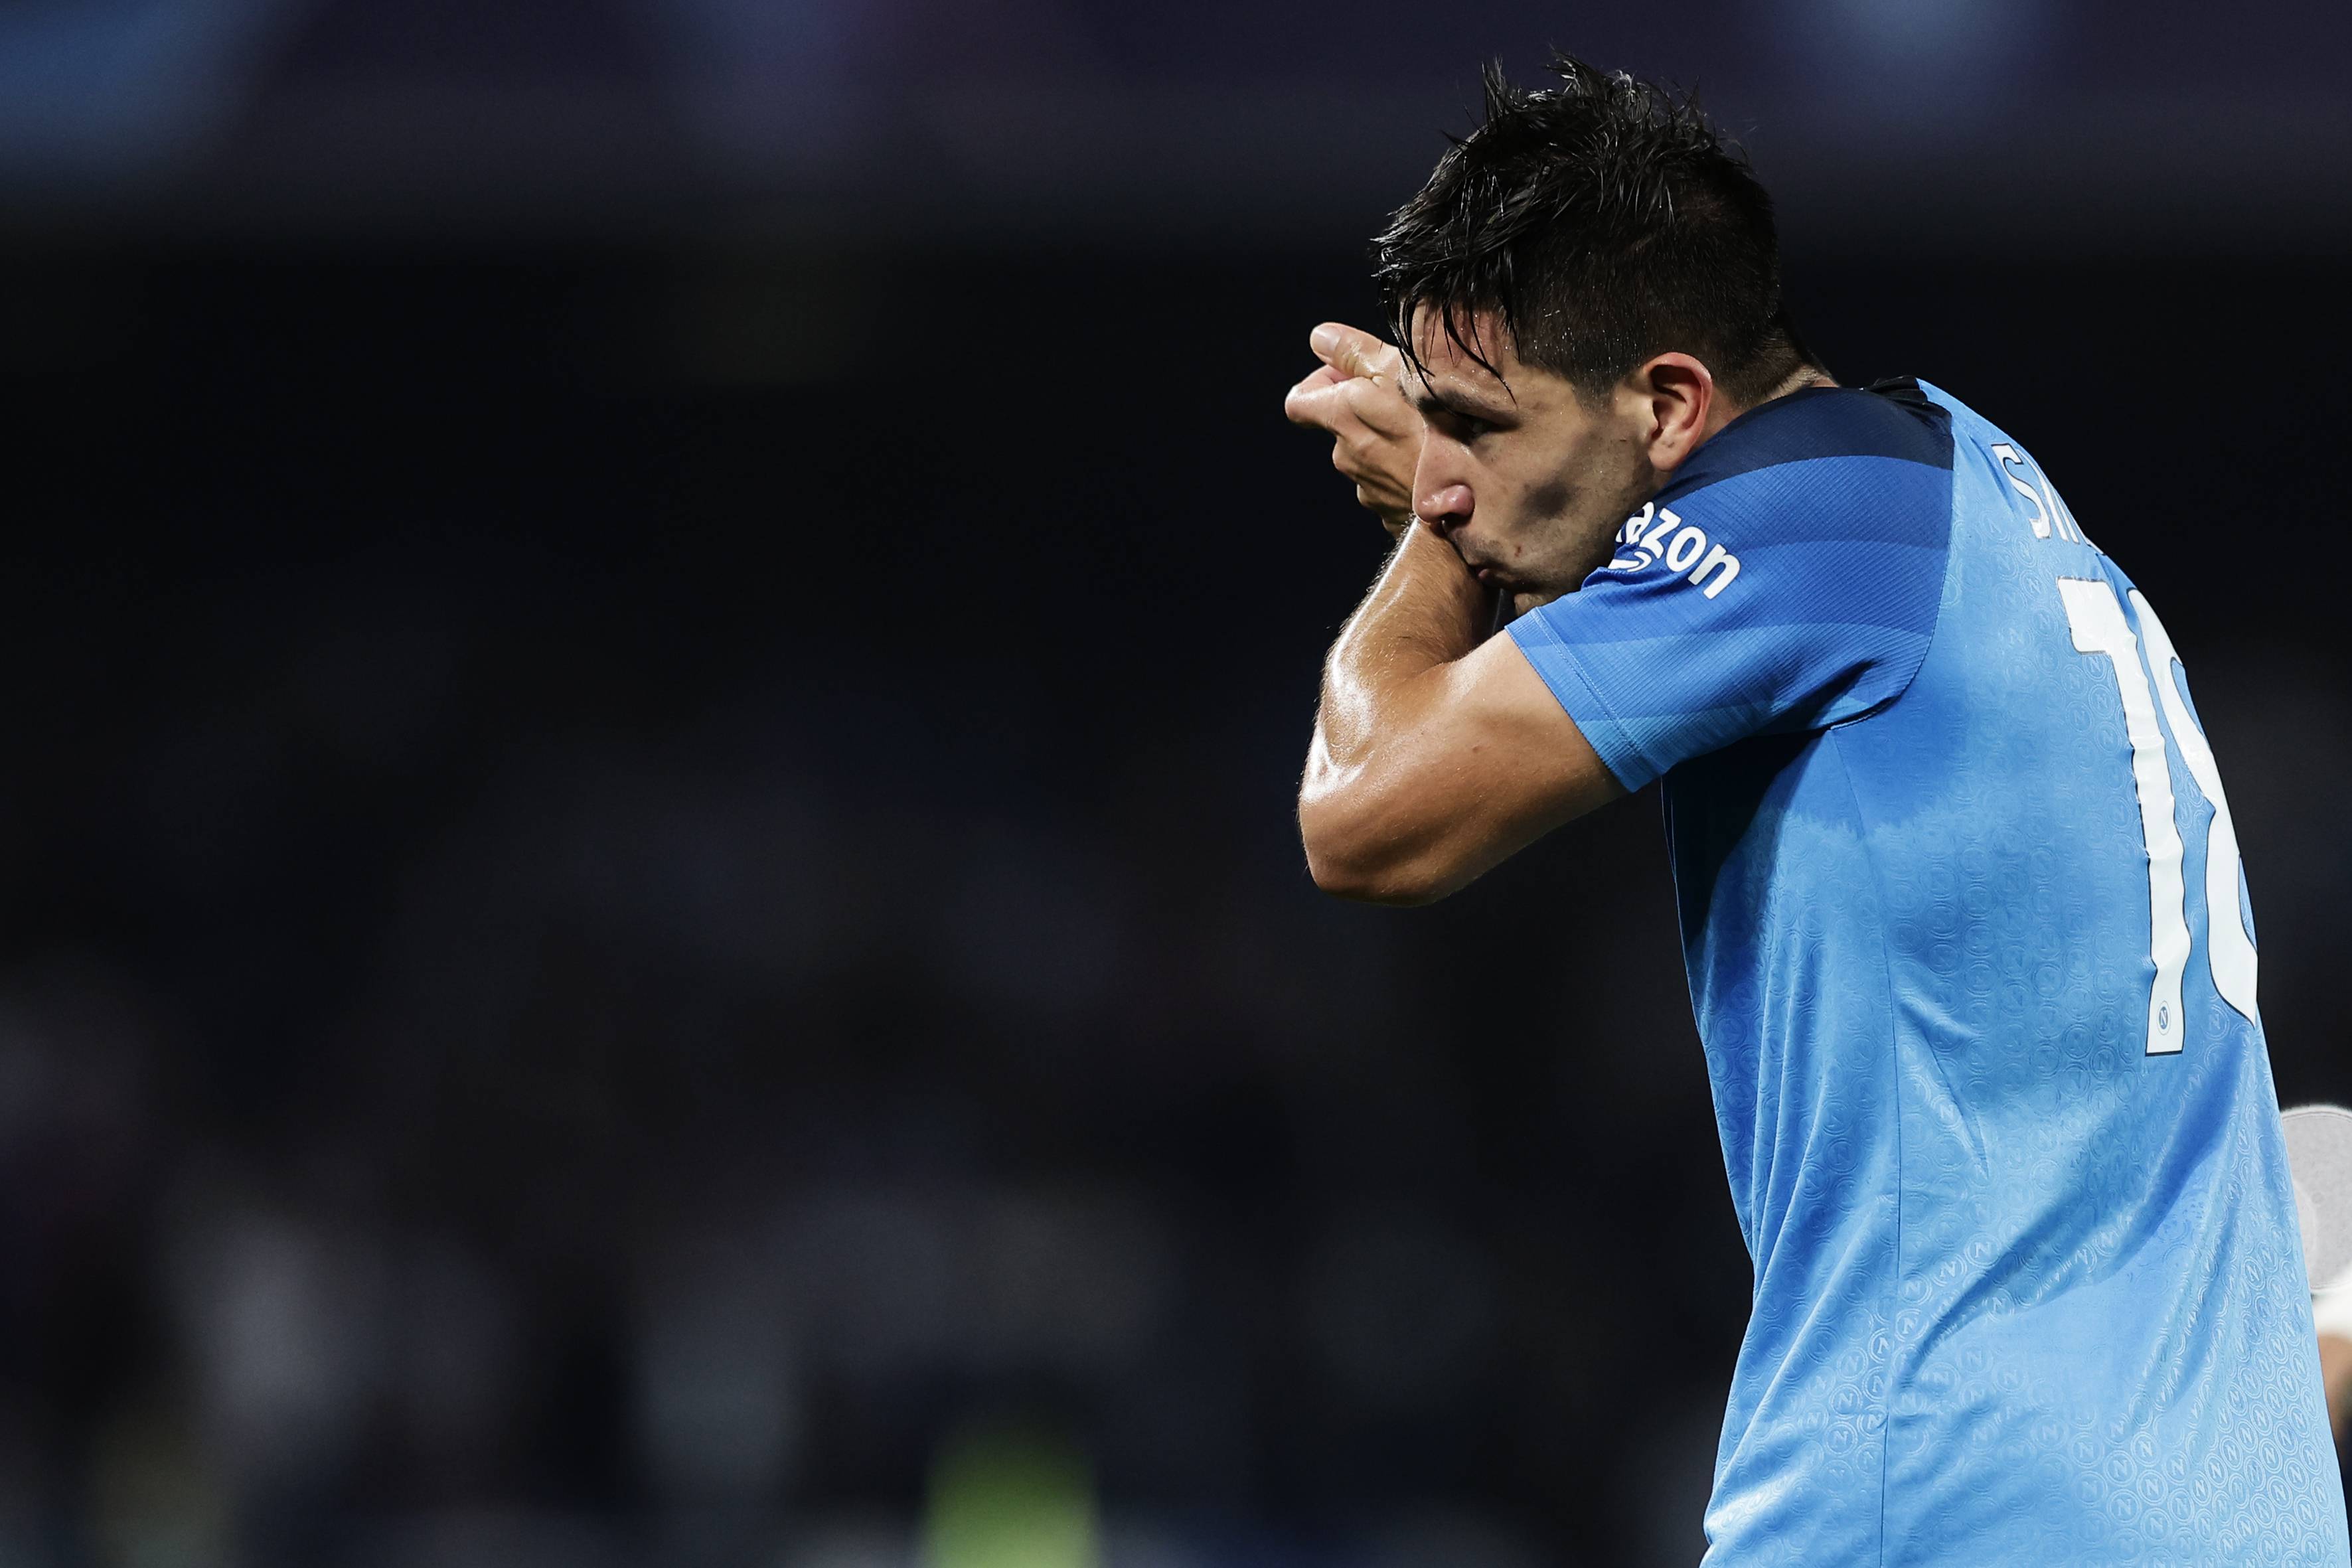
<point>1573,518</point>
<point>1553,487</point>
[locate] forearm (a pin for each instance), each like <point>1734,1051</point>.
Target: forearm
<point>1425,610</point>
<point>1385,676</point>
<point>1439,750</point>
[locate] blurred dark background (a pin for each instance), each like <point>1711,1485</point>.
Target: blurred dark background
<point>655,656</point>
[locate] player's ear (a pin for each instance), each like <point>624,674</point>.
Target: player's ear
<point>1675,393</point>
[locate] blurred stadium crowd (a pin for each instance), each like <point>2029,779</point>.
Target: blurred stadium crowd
<point>593,985</point>
<point>647,905</point>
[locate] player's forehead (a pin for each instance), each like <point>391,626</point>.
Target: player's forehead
<point>1474,370</point>
<point>1475,355</point>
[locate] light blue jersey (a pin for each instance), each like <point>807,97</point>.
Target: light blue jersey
<point>1973,962</point>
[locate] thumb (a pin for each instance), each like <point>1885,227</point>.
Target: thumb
<point>1350,349</point>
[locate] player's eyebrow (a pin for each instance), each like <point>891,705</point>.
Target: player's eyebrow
<point>1429,400</point>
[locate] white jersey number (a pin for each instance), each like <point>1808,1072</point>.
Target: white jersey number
<point>2096,617</point>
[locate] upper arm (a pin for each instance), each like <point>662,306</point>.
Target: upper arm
<point>1488,762</point>
<point>1523,768</point>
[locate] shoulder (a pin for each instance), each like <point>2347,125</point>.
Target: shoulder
<point>1893,421</point>
<point>1832,467</point>
<point>1826,486</point>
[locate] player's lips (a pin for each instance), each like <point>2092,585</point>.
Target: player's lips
<point>1486,572</point>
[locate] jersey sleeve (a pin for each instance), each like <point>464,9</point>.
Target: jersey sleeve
<point>1776,588</point>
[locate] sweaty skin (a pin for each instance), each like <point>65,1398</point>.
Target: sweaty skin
<point>2335,1373</point>
<point>1438,752</point>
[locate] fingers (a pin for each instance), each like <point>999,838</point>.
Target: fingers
<point>1376,434</point>
<point>1304,404</point>
<point>1321,409</point>
<point>1352,350</point>
<point>1381,472</point>
<point>1381,405</point>
<point>1329,398</point>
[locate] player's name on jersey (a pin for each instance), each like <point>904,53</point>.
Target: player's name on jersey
<point>2049,508</point>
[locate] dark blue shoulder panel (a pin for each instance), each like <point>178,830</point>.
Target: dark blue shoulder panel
<point>1791,578</point>
<point>1890,419</point>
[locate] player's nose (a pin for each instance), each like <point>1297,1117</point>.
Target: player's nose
<point>1442,506</point>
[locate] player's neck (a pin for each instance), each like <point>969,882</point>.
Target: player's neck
<point>1803,378</point>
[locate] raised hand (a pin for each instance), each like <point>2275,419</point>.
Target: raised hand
<point>1375,433</point>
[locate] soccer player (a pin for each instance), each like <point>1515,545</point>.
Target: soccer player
<point>1961,900</point>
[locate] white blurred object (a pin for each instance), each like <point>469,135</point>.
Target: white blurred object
<point>2319,1152</point>
<point>2331,1306</point>
<point>2319,1155</point>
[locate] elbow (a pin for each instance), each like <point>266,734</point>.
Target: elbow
<point>1370,882</point>
<point>1349,857</point>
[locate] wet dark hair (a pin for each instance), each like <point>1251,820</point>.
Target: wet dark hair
<point>1602,221</point>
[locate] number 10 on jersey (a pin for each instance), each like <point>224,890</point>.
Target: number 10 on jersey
<point>2096,618</point>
